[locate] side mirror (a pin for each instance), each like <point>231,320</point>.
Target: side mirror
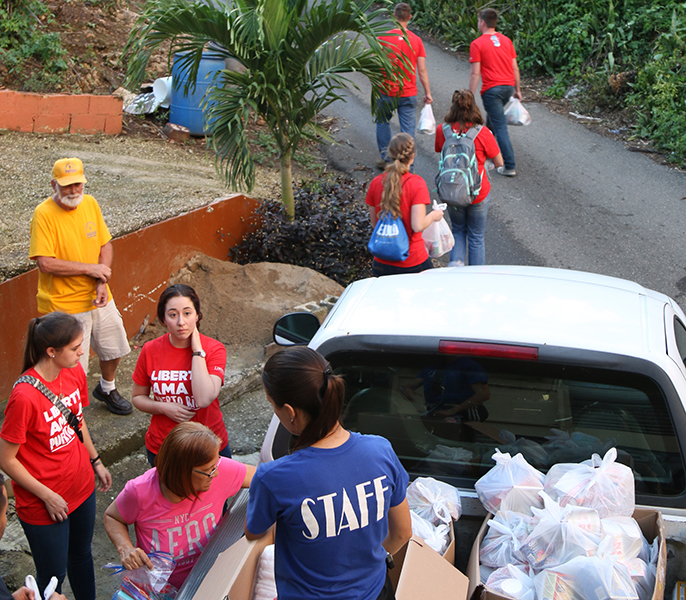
<point>295,329</point>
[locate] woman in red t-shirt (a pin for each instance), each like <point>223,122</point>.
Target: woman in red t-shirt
<point>51,465</point>
<point>402,193</point>
<point>184,370</point>
<point>469,223</point>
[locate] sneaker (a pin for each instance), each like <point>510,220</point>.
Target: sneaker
<point>506,172</point>
<point>381,164</point>
<point>115,402</point>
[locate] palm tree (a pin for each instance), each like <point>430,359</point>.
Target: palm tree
<point>296,56</point>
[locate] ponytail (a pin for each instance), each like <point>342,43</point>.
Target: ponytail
<point>55,330</point>
<point>401,150</point>
<point>464,109</point>
<point>302,378</point>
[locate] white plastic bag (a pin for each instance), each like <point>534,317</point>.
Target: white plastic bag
<point>433,500</point>
<point>506,533</point>
<point>603,484</point>
<point>427,121</point>
<point>623,539</point>
<point>437,537</point>
<point>515,113</point>
<point>264,586</point>
<point>512,582</point>
<point>561,534</point>
<point>438,238</point>
<point>513,484</point>
<point>587,577</point>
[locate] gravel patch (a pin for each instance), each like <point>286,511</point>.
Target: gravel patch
<point>137,182</point>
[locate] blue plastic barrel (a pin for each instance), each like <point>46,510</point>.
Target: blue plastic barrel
<point>186,110</point>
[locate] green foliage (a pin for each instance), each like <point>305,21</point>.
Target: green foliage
<point>589,41</point>
<point>329,235</point>
<point>23,40</point>
<point>296,55</point>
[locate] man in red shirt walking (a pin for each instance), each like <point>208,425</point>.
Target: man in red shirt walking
<point>494,60</point>
<point>402,98</point>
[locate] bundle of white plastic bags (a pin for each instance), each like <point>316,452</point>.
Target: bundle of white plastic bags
<point>569,532</point>
<point>433,506</point>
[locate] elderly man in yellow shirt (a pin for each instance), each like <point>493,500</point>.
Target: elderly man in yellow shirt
<point>71,245</point>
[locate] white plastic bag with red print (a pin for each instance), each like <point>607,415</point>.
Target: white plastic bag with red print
<point>602,484</point>
<point>513,484</point>
<point>512,582</point>
<point>506,534</point>
<point>433,500</point>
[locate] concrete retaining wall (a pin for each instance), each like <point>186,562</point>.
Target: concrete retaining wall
<point>60,113</point>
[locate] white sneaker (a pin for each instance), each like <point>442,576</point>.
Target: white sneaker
<point>506,172</point>
<point>456,263</point>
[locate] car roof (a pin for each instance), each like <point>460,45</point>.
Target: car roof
<point>508,304</point>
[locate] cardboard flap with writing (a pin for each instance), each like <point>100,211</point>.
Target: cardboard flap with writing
<point>423,573</point>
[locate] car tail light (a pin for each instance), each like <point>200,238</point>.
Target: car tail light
<point>488,350</point>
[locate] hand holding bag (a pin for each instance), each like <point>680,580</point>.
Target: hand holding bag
<point>515,113</point>
<point>389,239</point>
<point>438,238</point>
<point>427,121</point>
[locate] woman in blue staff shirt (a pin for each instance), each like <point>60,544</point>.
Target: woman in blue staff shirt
<point>338,500</point>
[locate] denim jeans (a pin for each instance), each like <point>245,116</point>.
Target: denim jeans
<point>407,115</point>
<point>381,269</point>
<point>225,451</point>
<point>65,547</point>
<point>494,100</point>
<point>469,225</point>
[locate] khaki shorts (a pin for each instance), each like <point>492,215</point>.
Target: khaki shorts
<point>103,328</point>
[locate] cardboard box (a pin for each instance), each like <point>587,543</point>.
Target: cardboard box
<point>419,573</point>
<point>650,522</point>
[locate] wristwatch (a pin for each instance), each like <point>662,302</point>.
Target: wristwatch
<point>201,353</point>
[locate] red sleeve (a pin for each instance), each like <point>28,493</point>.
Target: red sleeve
<point>216,357</point>
<point>440,138</point>
<point>18,416</point>
<point>474,52</point>
<point>141,374</point>
<point>374,191</point>
<point>488,142</point>
<point>418,47</point>
<point>83,385</point>
<point>419,192</point>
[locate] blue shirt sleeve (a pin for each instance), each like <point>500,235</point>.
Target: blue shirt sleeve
<point>262,506</point>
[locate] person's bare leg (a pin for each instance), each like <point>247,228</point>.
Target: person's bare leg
<point>108,368</point>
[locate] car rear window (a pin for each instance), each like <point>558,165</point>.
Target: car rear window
<point>550,413</point>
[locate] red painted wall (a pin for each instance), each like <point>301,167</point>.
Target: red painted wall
<point>143,261</point>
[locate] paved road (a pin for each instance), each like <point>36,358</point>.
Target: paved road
<point>580,201</point>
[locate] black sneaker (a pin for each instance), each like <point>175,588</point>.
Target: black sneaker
<point>115,402</point>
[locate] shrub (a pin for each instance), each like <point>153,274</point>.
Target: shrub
<point>329,234</point>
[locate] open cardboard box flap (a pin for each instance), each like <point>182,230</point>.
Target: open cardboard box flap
<point>419,572</point>
<point>649,520</point>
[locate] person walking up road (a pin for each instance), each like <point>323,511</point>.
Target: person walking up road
<point>393,98</point>
<point>494,60</point>
<point>71,245</point>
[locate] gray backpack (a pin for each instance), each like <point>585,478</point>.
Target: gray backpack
<point>458,181</point>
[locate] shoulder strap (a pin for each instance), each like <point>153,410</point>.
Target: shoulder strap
<point>448,130</point>
<point>69,416</point>
<point>473,132</point>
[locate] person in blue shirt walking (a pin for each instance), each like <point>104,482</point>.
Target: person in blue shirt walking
<point>338,500</point>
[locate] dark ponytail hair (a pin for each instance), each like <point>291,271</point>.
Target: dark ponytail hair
<point>301,377</point>
<point>175,291</point>
<point>464,109</point>
<point>54,330</point>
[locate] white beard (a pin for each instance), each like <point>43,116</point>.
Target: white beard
<point>72,200</point>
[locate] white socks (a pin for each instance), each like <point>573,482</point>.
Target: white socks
<point>107,386</point>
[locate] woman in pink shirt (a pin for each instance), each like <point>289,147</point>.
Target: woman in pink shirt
<point>176,505</point>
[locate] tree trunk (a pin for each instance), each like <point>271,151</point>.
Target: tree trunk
<point>287,185</point>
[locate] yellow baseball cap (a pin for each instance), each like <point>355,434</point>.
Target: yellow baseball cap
<point>67,171</point>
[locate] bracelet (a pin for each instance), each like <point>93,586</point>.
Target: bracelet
<point>95,460</point>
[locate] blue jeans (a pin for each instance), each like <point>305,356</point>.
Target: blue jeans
<point>469,225</point>
<point>225,452</point>
<point>494,100</point>
<point>407,115</point>
<point>65,547</point>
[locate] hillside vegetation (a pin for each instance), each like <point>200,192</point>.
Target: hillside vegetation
<point>624,54</point>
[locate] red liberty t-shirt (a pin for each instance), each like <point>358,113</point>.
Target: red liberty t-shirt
<point>48,446</point>
<point>495,53</point>
<point>414,192</point>
<point>415,49</point>
<point>166,369</point>
<point>485,146</point>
